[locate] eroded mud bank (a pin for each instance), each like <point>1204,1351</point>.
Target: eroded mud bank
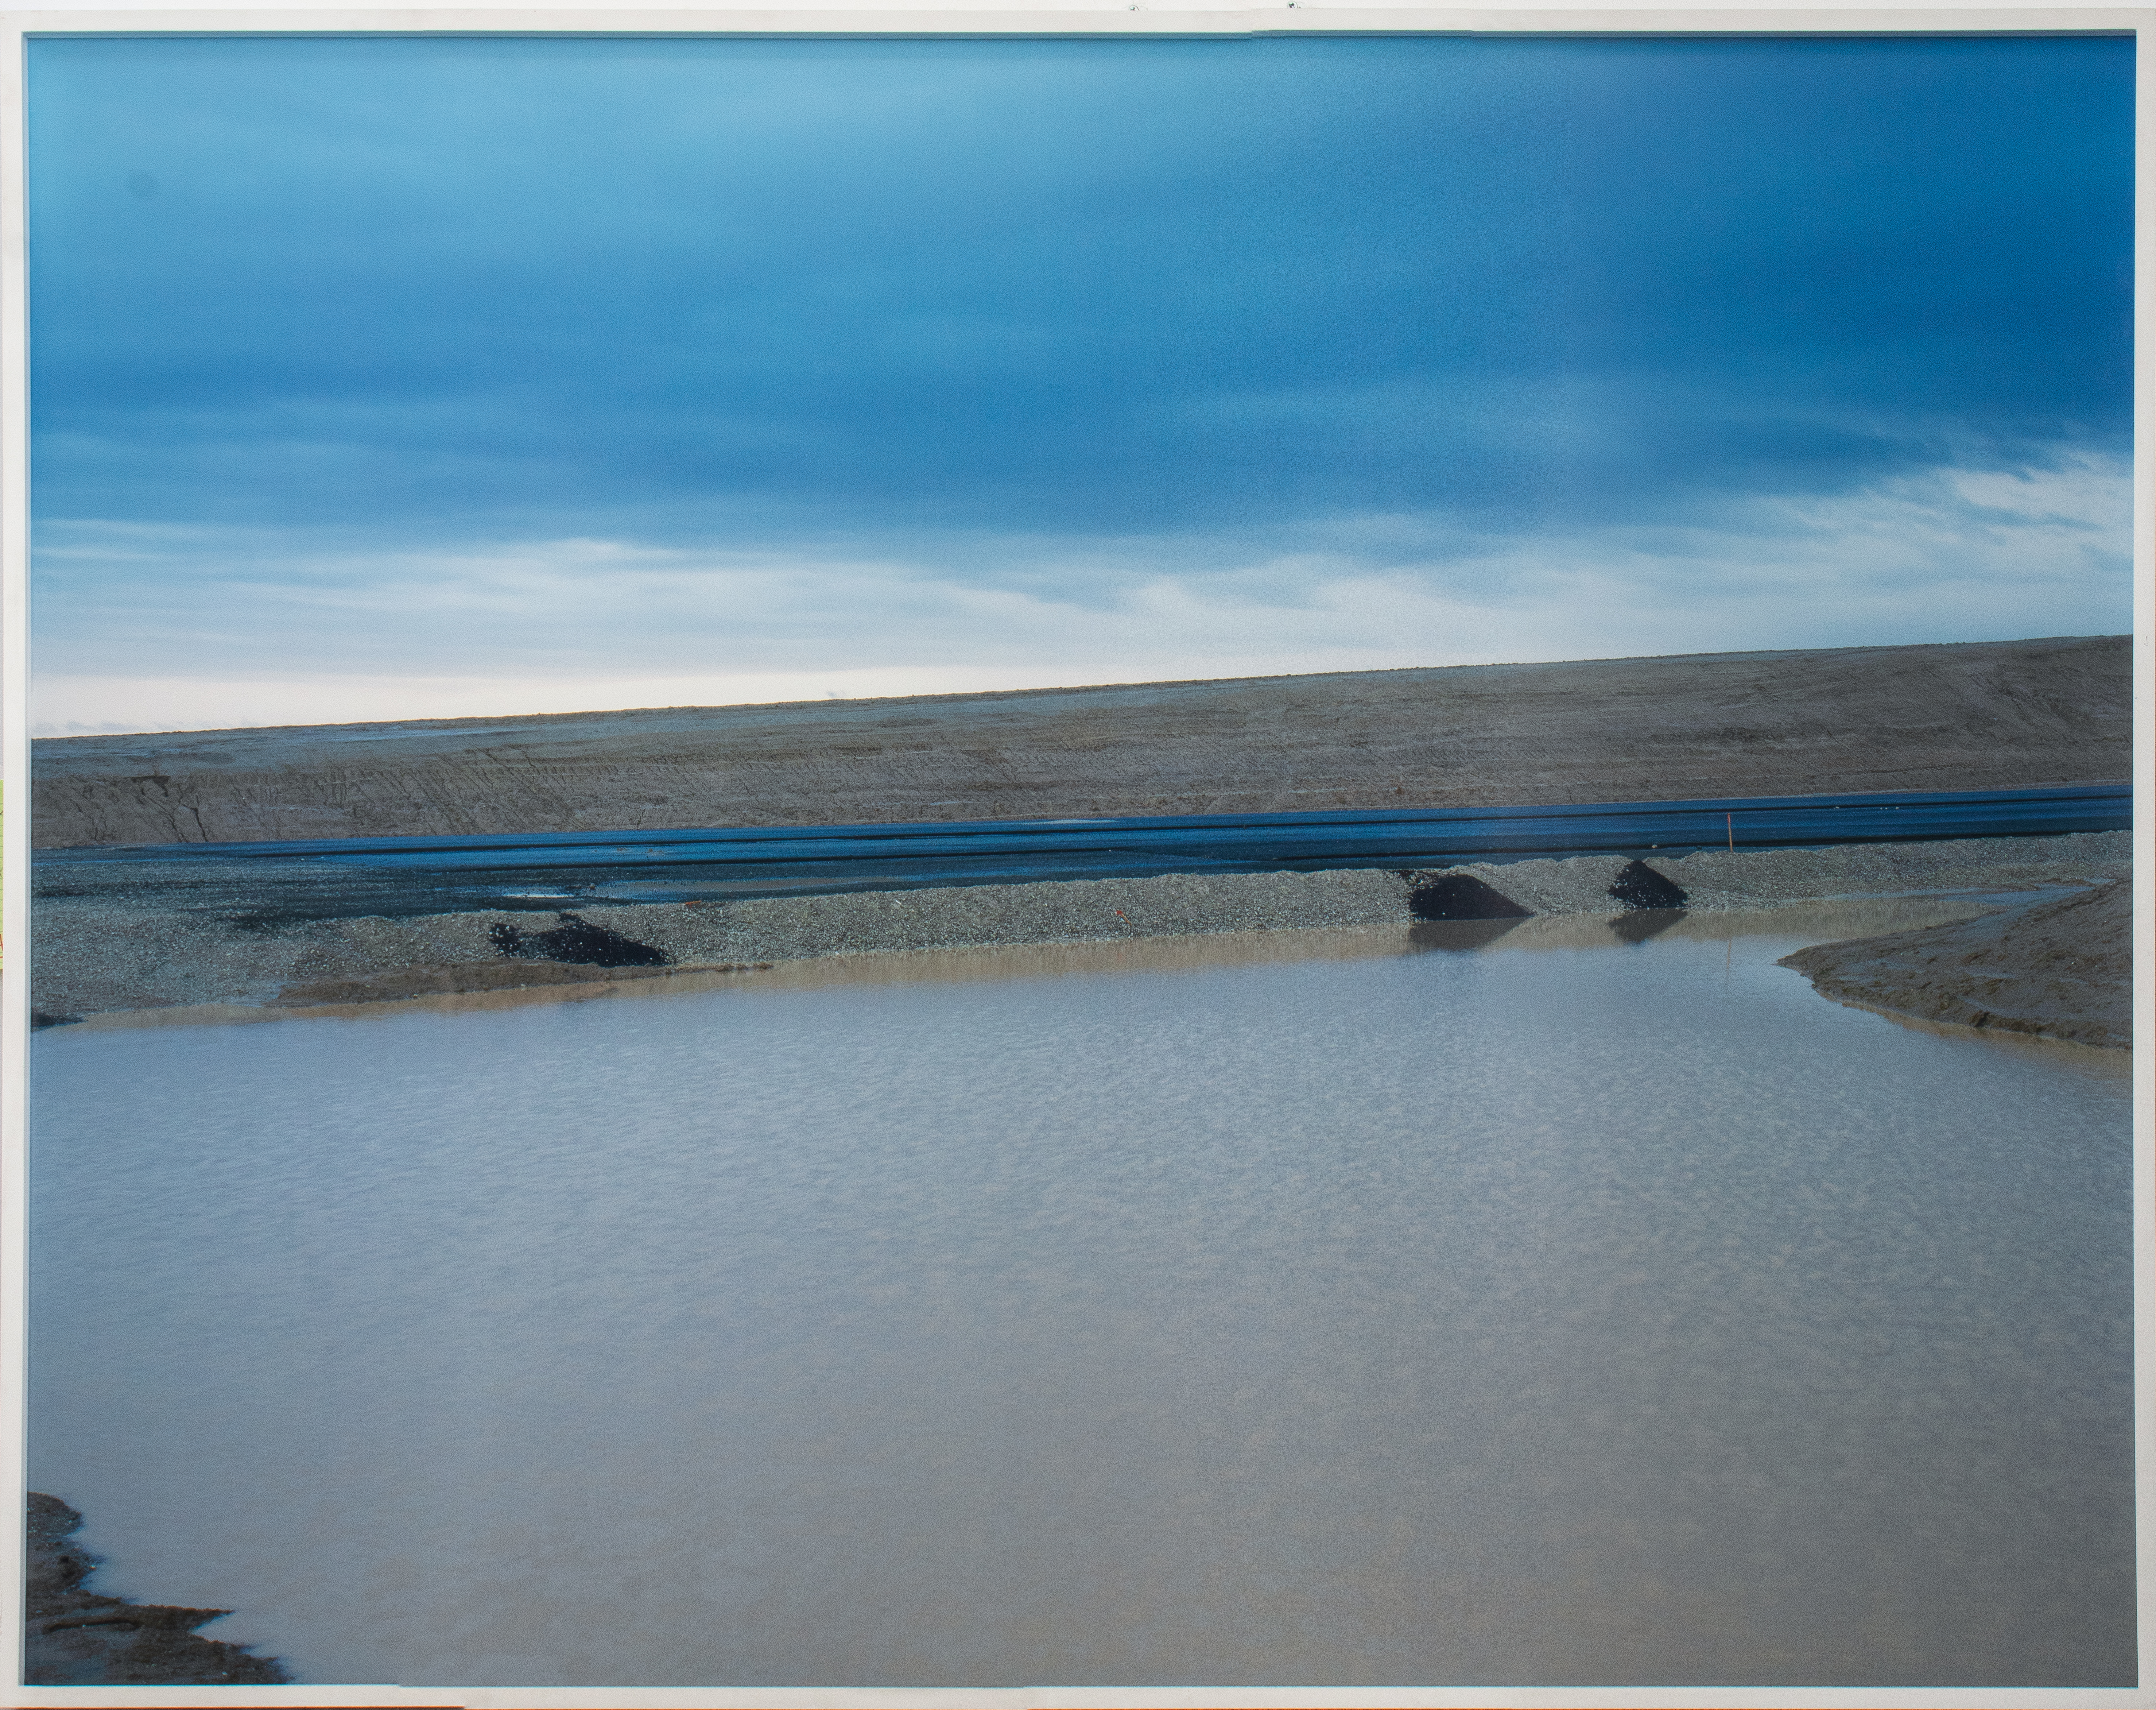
<point>2061,968</point>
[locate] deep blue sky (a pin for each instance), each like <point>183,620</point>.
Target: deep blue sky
<point>1032,334</point>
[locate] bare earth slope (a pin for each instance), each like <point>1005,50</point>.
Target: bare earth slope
<point>1978,716</point>
<point>2061,968</point>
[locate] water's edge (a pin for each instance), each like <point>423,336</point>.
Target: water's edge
<point>97,955</point>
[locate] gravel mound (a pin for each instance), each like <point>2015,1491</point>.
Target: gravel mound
<point>2061,969</point>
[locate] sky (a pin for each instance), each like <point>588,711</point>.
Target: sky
<point>378,378</point>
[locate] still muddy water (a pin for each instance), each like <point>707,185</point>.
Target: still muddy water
<point>1338,1309</point>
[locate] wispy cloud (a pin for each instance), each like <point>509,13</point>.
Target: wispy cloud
<point>555,626</point>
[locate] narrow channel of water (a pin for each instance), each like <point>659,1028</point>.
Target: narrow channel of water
<point>1400,1314</point>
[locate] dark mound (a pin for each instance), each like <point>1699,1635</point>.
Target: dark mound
<point>576,940</point>
<point>1638,885</point>
<point>1459,897</point>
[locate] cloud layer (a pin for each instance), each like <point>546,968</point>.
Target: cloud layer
<point>565,367</point>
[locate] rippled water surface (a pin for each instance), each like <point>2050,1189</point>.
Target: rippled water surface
<point>1553,1311</point>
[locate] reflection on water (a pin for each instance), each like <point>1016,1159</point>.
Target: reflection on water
<point>1642,924</point>
<point>1459,935</point>
<point>1578,931</point>
<point>1367,1316</point>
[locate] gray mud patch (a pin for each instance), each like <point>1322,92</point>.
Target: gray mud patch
<point>462,978</point>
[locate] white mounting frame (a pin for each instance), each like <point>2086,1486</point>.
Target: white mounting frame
<point>1110,18</point>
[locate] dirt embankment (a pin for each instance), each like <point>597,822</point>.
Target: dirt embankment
<point>76,1638</point>
<point>1979,715</point>
<point>2063,969</point>
<point>143,948</point>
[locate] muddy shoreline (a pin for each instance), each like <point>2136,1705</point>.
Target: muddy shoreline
<point>130,951</point>
<point>2061,968</point>
<point>76,1637</point>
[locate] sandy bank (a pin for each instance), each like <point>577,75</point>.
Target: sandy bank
<point>1979,715</point>
<point>2061,970</point>
<point>127,952</point>
<point>77,1638</point>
